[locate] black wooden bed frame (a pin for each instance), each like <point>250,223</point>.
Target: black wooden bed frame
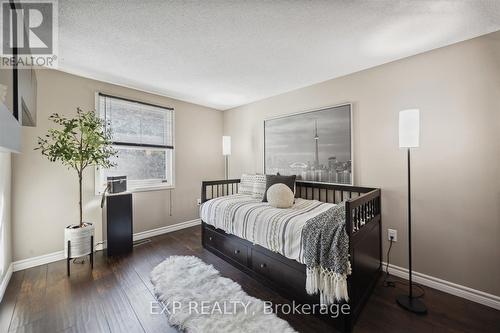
<point>286,276</point>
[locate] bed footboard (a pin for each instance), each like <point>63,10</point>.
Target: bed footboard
<point>363,225</point>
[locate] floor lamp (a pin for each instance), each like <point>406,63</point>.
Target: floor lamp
<point>226,151</point>
<point>409,130</point>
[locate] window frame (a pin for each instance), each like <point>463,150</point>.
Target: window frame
<point>170,150</point>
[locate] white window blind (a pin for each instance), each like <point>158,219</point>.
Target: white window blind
<point>143,135</point>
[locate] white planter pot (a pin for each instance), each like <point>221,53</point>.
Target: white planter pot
<point>80,239</point>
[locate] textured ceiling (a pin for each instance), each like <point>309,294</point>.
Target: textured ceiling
<point>227,53</point>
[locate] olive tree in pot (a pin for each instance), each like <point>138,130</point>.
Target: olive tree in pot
<point>78,143</point>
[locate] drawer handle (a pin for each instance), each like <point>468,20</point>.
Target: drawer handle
<point>262,265</point>
<point>236,251</point>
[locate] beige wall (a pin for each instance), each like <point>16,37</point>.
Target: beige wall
<point>45,194</point>
<point>456,171</point>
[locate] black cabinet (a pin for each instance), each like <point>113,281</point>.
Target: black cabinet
<point>119,223</point>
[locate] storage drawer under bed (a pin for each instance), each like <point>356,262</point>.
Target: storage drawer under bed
<point>286,274</point>
<point>231,248</point>
<point>277,271</point>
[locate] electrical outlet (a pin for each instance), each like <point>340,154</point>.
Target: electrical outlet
<point>198,201</point>
<point>392,233</point>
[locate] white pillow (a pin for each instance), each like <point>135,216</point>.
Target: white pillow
<point>246,184</point>
<point>259,186</point>
<point>280,196</point>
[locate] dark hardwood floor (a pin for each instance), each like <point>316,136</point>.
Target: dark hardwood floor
<point>116,297</point>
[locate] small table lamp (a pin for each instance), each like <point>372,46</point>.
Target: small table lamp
<point>226,151</point>
<point>409,132</point>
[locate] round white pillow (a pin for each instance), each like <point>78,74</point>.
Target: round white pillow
<point>280,196</point>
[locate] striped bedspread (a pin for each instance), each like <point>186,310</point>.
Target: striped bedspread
<point>278,230</point>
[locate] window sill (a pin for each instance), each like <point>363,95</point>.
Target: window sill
<point>151,188</point>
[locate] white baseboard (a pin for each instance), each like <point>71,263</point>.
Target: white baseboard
<point>470,294</point>
<point>166,229</point>
<point>5,281</point>
<point>59,255</point>
<point>37,261</point>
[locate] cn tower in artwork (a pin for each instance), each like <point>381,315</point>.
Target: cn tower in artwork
<point>316,142</point>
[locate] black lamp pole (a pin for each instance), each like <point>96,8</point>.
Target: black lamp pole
<point>408,302</point>
<point>226,166</point>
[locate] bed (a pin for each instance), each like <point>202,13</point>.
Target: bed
<point>249,239</point>
<point>278,230</point>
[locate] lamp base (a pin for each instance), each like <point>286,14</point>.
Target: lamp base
<point>411,304</point>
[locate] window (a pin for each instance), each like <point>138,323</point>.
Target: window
<point>143,136</point>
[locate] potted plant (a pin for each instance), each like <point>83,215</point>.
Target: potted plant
<point>78,143</point>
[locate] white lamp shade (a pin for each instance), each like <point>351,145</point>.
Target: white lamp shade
<point>409,128</point>
<point>226,145</point>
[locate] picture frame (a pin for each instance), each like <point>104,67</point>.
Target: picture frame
<point>326,158</point>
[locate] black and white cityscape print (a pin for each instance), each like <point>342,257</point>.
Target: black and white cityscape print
<point>315,146</point>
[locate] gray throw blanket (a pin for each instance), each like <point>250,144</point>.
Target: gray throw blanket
<point>326,254</point>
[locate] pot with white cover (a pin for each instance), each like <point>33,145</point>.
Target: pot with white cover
<point>78,143</point>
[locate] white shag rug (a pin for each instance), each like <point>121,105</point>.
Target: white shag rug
<point>196,299</point>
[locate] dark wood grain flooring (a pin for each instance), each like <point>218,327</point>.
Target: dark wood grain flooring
<point>116,297</point>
